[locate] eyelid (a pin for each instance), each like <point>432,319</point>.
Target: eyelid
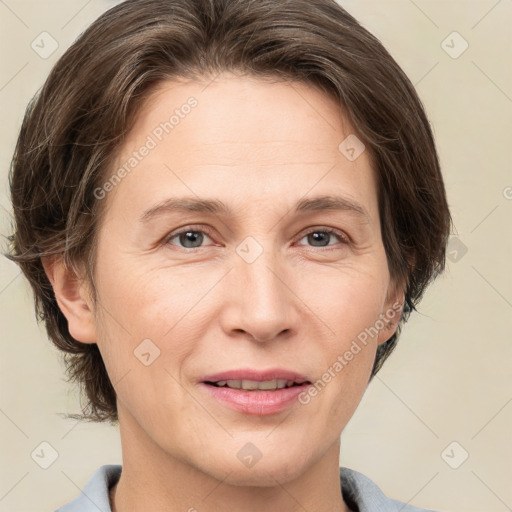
<point>185,229</point>
<point>343,236</point>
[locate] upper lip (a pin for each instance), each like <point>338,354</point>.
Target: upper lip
<point>256,375</point>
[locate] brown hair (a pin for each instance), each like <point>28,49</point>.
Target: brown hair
<point>74,126</point>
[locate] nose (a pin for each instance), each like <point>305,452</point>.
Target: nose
<point>260,303</point>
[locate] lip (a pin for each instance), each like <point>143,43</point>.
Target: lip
<point>259,403</point>
<point>255,402</point>
<point>257,375</point>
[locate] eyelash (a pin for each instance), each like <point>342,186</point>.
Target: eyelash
<point>344,239</point>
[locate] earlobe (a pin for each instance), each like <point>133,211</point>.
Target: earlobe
<point>72,298</point>
<point>391,317</point>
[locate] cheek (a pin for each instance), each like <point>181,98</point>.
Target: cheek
<point>144,339</point>
<point>148,310</point>
<point>350,299</point>
<point>144,301</point>
<point>350,304</point>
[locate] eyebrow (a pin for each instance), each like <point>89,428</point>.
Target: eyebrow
<point>217,207</point>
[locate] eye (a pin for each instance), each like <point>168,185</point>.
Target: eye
<point>320,237</point>
<point>189,237</point>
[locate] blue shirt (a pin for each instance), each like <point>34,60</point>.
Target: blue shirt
<point>359,492</point>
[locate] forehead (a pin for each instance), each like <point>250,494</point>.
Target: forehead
<point>242,137</point>
<point>243,110</point>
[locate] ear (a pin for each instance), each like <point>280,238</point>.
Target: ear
<point>391,313</point>
<point>73,299</point>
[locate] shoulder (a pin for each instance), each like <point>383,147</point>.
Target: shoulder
<point>364,495</point>
<point>95,494</point>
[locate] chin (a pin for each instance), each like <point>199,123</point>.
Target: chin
<point>268,471</point>
<point>262,477</point>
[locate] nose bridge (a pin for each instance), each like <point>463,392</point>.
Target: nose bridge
<point>263,299</point>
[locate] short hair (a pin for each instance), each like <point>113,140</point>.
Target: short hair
<point>75,125</point>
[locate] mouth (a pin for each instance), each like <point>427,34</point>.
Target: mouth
<point>254,385</point>
<point>254,392</point>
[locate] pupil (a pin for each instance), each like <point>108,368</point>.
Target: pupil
<point>191,236</point>
<point>323,237</point>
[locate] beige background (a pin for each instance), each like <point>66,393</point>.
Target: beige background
<point>451,376</point>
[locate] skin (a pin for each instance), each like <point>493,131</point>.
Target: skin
<point>259,147</point>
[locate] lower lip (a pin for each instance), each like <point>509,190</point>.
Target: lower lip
<point>257,402</point>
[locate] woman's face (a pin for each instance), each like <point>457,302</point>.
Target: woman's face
<point>274,281</point>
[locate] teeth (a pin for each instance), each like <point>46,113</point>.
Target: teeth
<point>253,384</point>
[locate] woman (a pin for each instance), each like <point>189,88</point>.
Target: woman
<point>227,210</point>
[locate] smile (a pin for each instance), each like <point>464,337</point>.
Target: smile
<point>258,398</point>
<point>255,385</point>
